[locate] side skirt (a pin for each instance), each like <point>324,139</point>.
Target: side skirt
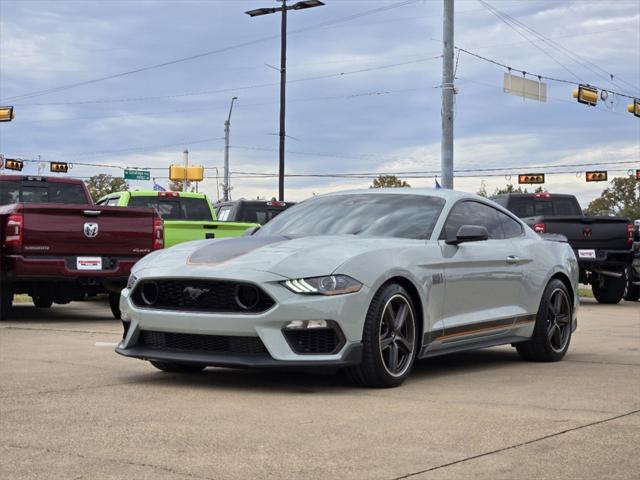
<point>484,343</point>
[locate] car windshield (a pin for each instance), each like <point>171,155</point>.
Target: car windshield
<point>373,215</point>
<point>176,208</point>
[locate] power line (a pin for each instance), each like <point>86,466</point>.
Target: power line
<point>512,22</point>
<point>235,89</point>
<point>206,54</point>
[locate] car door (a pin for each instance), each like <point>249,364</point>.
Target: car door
<point>483,279</point>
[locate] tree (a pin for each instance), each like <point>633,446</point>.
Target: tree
<point>103,184</point>
<point>176,186</point>
<point>511,189</point>
<point>388,181</point>
<point>622,198</point>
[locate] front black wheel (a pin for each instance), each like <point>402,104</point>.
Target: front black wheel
<point>552,332</point>
<point>631,292</point>
<point>609,290</point>
<point>6,301</point>
<point>178,367</point>
<point>114,305</point>
<point>389,340</point>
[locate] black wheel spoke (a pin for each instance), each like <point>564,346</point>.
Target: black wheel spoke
<point>401,317</point>
<point>558,338</point>
<point>551,329</point>
<point>558,302</point>
<point>393,357</point>
<point>404,344</point>
<point>385,342</point>
<point>563,319</point>
<point>552,308</point>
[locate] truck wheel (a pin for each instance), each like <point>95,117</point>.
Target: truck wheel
<point>631,292</point>
<point>114,304</point>
<point>6,300</point>
<point>611,291</point>
<point>178,367</point>
<point>42,301</point>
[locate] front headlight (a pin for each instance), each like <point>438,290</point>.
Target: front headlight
<point>132,281</point>
<point>329,285</point>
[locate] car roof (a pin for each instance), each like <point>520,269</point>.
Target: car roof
<point>42,177</point>
<point>447,194</point>
<point>154,193</point>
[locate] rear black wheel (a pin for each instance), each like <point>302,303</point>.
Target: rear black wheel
<point>42,301</point>
<point>6,301</point>
<point>552,332</point>
<point>610,290</point>
<point>389,339</point>
<point>114,304</point>
<point>178,367</point>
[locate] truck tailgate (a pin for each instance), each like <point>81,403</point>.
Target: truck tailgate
<point>178,231</point>
<point>605,233</point>
<point>87,230</point>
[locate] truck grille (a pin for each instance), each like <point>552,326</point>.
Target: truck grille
<point>185,342</point>
<point>201,295</point>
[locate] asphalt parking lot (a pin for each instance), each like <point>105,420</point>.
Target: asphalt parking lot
<point>72,408</point>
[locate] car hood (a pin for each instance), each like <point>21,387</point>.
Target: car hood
<point>282,256</point>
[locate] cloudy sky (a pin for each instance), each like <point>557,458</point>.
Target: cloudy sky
<point>363,94</point>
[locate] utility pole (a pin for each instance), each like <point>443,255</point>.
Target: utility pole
<point>301,5</point>
<point>186,168</point>
<point>447,96</point>
<point>226,187</point>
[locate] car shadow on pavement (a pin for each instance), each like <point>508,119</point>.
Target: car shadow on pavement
<point>330,381</point>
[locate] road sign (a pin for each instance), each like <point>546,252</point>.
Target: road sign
<point>194,173</point>
<point>525,88</point>
<point>137,175</point>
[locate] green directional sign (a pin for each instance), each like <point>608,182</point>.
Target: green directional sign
<point>137,175</point>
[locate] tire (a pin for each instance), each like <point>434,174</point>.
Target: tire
<point>6,301</point>
<point>552,331</point>
<point>114,305</point>
<point>178,367</point>
<point>611,291</point>
<point>390,340</point>
<point>42,301</point>
<point>631,292</point>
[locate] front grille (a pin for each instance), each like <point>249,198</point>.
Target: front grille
<point>314,340</point>
<point>201,295</point>
<point>185,342</point>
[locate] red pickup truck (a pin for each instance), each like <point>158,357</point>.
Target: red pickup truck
<point>57,246</point>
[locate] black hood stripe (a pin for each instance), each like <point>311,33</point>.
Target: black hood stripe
<point>219,252</point>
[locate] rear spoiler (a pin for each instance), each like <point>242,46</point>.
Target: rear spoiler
<point>554,237</point>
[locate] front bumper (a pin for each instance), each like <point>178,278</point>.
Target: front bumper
<point>346,313</point>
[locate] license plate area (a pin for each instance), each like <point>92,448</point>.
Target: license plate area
<point>587,253</point>
<point>89,263</point>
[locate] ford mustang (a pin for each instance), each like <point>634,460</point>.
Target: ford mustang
<point>368,281</point>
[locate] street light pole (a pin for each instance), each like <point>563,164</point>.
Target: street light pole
<point>302,5</point>
<point>226,187</point>
<point>283,94</point>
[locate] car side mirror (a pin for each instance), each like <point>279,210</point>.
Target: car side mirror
<point>469,233</point>
<point>251,230</point>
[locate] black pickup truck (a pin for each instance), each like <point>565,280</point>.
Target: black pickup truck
<point>602,244</point>
<point>254,211</point>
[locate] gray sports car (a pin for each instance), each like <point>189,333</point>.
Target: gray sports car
<point>366,280</point>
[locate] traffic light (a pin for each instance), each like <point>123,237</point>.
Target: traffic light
<point>12,164</point>
<point>6,114</point>
<point>194,173</point>
<point>638,175</point>
<point>59,167</point>
<point>531,178</point>
<point>634,107</point>
<point>587,95</point>
<point>596,176</point>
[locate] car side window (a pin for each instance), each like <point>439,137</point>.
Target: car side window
<point>113,202</point>
<point>473,213</point>
<point>510,227</point>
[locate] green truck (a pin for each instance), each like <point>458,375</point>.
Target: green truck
<point>187,216</point>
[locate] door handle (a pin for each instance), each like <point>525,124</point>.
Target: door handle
<point>511,259</point>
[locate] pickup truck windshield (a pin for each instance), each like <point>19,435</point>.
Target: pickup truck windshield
<point>372,215</point>
<point>549,207</point>
<point>176,208</point>
<point>16,191</point>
